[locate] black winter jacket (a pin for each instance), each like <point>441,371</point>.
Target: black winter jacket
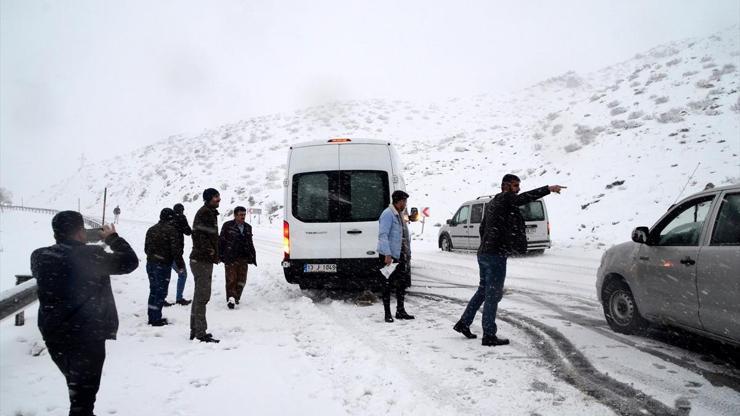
<point>502,231</point>
<point>164,244</point>
<point>181,223</point>
<point>76,303</point>
<point>234,245</point>
<point>205,235</point>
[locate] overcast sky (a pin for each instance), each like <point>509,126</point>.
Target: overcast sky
<point>104,77</point>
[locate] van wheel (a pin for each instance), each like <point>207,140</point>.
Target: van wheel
<point>620,309</point>
<point>536,252</point>
<point>445,243</point>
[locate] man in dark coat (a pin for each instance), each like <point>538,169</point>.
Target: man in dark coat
<point>502,235</point>
<point>202,259</point>
<point>77,311</point>
<point>182,226</point>
<point>236,250</point>
<point>163,247</point>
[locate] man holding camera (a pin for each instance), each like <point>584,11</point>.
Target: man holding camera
<point>77,311</point>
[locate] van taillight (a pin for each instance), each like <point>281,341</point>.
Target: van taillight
<point>548,228</point>
<point>286,241</point>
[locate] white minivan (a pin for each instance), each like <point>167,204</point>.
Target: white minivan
<point>335,192</point>
<point>462,231</point>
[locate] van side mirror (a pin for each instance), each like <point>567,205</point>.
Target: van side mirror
<point>640,235</point>
<point>450,222</point>
<point>414,215</point>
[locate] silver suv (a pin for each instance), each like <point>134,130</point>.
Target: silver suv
<point>462,231</point>
<point>683,272</point>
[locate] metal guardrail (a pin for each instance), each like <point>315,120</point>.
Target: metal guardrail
<point>15,300</point>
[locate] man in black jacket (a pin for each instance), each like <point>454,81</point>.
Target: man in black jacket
<point>163,247</point>
<point>77,311</point>
<point>502,235</point>
<point>181,223</point>
<point>202,259</point>
<point>236,249</point>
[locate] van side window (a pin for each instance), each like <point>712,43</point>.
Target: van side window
<point>476,215</point>
<point>727,227</point>
<point>462,215</point>
<point>533,211</point>
<point>683,226</point>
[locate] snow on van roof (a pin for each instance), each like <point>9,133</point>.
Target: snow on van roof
<point>327,142</point>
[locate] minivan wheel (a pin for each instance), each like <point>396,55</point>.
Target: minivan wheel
<point>445,243</point>
<point>620,309</point>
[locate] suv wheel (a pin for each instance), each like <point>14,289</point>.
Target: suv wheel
<point>620,309</point>
<point>445,243</point>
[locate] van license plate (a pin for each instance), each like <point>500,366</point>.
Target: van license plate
<point>319,268</point>
<point>531,230</point>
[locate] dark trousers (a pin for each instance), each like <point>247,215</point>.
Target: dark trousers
<point>82,367</point>
<point>181,277</point>
<point>236,278</point>
<point>398,280</point>
<point>490,290</point>
<point>159,281</point>
<point>202,275</point>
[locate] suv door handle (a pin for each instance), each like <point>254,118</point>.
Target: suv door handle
<point>354,232</point>
<point>688,261</point>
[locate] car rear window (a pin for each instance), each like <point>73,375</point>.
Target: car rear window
<point>533,211</point>
<point>340,196</point>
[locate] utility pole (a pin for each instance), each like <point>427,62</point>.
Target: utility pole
<point>105,197</point>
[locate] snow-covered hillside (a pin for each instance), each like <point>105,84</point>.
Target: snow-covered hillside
<point>624,140</point>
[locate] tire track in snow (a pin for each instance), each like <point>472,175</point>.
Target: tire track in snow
<point>571,366</point>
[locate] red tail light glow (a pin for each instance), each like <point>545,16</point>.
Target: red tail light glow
<point>548,228</point>
<point>286,240</point>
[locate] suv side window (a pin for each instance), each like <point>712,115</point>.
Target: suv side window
<point>462,215</point>
<point>727,227</point>
<point>683,226</point>
<point>476,214</point>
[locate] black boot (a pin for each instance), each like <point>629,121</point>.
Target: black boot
<point>464,329</point>
<point>494,341</point>
<point>400,310</point>
<point>387,304</point>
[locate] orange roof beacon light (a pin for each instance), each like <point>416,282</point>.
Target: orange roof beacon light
<point>340,140</point>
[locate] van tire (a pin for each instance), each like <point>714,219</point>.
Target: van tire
<point>536,252</point>
<point>445,243</point>
<point>620,308</point>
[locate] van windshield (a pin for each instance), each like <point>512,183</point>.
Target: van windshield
<point>340,196</point>
<point>534,211</point>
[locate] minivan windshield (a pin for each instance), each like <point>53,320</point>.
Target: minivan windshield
<point>533,211</point>
<point>340,196</point>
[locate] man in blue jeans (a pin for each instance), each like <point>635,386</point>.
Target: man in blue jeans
<point>181,224</point>
<point>502,234</point>
<point>162,246</point>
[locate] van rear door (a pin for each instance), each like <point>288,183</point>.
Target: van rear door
<point>535,219</point>
<point>365,172</point>
<point>314,192</point>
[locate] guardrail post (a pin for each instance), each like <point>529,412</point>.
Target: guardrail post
<point>20,317</point>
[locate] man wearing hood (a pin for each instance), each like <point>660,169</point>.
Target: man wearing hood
<point>163,247</point>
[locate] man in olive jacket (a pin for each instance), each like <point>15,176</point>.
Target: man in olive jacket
<point>236,250</point>
<point>502,235</point>
<point>77,311</point>
<point>163,247</point>
<point>202,259</point>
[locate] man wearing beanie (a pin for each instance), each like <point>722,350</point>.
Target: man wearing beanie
<point>394,246</point>
<point>202,259</point>
<point>183,229</point>
<point>77,311</point>
<point>163,247</point>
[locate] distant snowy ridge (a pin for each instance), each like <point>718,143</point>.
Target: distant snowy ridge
<point>624,139</point>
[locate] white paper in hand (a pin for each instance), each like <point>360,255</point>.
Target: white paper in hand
<point>388,270</point>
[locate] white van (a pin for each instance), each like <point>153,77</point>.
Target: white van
<point>334,194</point>
<point>462,231</point>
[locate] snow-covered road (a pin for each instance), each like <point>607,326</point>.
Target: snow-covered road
<point>285,351</point>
